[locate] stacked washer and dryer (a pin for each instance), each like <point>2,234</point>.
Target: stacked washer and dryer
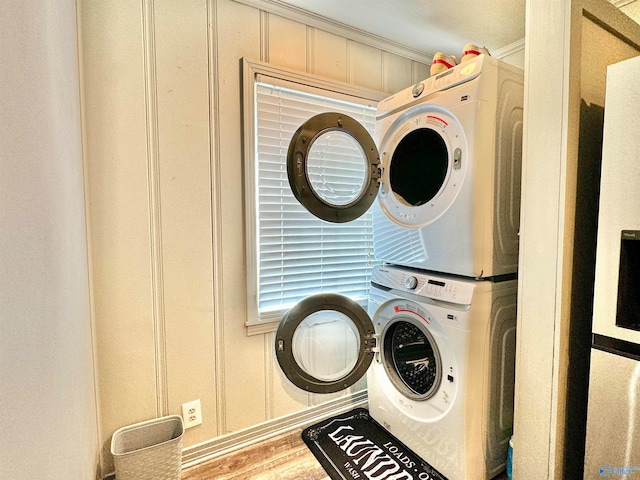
<point>438,340</point>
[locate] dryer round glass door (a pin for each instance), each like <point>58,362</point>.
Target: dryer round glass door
<point>324,344</point>
<point>336,171</point>
<point>333,167</point>
<point>424,158</point>
<point>411,358</point>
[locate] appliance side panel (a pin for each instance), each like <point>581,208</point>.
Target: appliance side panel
<point>500,380</point>
<point>619,202</point>
<point>508,170</point>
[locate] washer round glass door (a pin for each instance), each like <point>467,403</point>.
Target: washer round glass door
<point>324,344</point>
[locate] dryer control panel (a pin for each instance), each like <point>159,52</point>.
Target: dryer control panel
<point>455,76</point>
<point>438,287</point>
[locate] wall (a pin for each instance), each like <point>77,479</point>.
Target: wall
<point>162,105</point>
<point>516,57</point>
<point>47,390</point>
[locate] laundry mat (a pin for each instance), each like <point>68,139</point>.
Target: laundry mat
<point>354,446</point>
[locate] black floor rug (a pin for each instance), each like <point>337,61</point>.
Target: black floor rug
<point>354,446</point>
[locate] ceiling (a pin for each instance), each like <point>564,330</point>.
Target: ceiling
<point>431,26</point>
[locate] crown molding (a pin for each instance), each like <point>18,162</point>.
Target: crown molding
<point>510,49</point>
<point>621,3</point>
<point>291,12</point>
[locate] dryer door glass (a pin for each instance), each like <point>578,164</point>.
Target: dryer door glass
<point>419,166</point>
<point>333,167</point>
<point>324,344</point>
<point>425,158</point>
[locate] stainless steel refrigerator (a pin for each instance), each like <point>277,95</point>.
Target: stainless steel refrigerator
<point>613,415</point>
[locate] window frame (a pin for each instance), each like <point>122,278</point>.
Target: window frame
<point>251,72</point>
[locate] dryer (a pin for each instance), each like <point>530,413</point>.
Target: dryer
<point>439,354</point>
<point>445,166</point>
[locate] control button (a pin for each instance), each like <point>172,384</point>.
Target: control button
<point>417,90</point>
<point>411,283</point>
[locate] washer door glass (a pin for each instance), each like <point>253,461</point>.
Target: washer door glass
<point>412,359</point>
<point>324,344</point>
<point>333,167</point>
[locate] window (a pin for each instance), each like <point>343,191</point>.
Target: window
<point>291,254</point>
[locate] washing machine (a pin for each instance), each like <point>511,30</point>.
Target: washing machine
<point>445,167</point>
<point>439,355</point>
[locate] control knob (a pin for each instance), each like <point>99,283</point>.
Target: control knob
<point>411,283</point>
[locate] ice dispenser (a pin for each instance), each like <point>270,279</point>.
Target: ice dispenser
<point>628,307</point>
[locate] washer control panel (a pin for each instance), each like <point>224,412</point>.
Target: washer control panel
<point>446,289</point>
<point>411,282</point>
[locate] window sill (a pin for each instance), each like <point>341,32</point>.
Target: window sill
<point>262,328</point>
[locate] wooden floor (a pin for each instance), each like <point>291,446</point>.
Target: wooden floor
<point>285,457</point>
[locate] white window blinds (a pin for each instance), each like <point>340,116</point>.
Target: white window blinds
<point>298,254</point>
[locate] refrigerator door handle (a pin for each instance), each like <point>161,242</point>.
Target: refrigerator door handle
<point>616,346</point>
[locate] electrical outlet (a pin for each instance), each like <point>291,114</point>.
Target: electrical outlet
<point>191,414</point>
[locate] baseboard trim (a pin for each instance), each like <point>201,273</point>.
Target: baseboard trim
<point>219,446</point>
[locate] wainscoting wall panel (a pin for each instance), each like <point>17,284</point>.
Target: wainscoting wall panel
<point>185,188</point>
<point>117,177</point>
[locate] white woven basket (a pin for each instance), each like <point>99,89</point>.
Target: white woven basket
<point>150,450</point>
